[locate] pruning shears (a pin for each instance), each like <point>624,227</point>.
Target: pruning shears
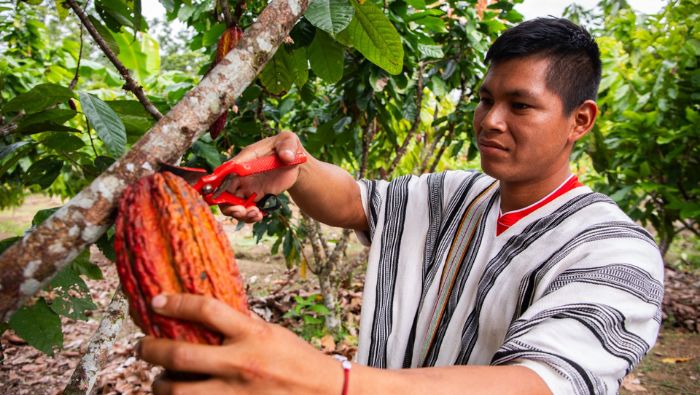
<point>214,186</point>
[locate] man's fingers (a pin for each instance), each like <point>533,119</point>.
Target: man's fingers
<point>213,313</point>
<point>163,385</point>
<point>237,212</point>
<point>180,356</point>
<point>287,145</point>
<point>246,214</point>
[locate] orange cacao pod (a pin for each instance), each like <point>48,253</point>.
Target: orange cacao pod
<point>228,41</point>
<point>167,241</point>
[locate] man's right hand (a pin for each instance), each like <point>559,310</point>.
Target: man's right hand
<point>324,191</point>
<point>286,146</point>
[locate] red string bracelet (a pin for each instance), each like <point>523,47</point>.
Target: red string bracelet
<point>346,372</point>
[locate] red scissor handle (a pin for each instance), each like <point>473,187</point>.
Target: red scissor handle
<point>209,184</point>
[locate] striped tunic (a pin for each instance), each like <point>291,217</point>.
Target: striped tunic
<point>572,291</point>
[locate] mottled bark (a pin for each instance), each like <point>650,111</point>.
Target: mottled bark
<point>85,374</point>
<point>32,262</point>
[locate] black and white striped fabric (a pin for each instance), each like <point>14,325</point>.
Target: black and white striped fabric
<point>572,291</point>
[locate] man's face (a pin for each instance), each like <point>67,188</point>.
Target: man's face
<point>523,134</point>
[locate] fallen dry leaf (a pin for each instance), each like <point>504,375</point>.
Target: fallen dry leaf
<point>673,360</point>
<point>632,384</point>
<point>328,343</point>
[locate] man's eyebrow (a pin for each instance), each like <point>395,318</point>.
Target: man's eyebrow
<point>522,93</point>
<point>515,93</point>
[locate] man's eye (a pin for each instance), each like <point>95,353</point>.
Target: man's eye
<point>520,106</point>
<point>485,100</point>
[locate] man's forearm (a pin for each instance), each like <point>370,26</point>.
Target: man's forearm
<point>329,194</point>
<point>446,380</point>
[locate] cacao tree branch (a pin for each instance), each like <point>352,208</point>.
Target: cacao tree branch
<point>130,85</point>
<point>313,236</point>
<point>10,127</point>
<point>445,142</point>
<point>322,240</point>
<point>85,374</point>
<point>416,122</point>
<point>339,249</point>
<point>431,149</point>
<point>74,81</point>
<point>32,262</point>
<point>691,226</point>
<point>367,133</point>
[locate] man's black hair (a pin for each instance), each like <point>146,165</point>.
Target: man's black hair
<point>575,67</point>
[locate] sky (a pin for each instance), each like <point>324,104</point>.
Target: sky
<point>529,8</point>
<point>536,8</point>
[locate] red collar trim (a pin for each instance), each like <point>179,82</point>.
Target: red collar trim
<point>510,218</point>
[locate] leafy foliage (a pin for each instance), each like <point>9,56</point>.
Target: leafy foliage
<point>379,88</point>
<point>646,145</point>
<point>67,295</point>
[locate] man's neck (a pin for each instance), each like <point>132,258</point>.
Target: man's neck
<point>517,195</point>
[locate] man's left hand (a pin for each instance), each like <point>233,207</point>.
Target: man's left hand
<point>255,358</point>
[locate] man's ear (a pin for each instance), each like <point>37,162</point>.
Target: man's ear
<point>583,117</point>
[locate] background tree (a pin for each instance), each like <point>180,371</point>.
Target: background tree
<point>646,145</point>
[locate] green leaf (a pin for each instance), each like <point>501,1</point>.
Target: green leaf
<point>430,51</point>
<point>331,16</point>
<point>138,18</point>
<point>287,67</point>
<point>106,122</point>
<point>375,37</point>
<point>303,33</point>
<point>106,244</point>
<point>115,13</point>
<point>39,326</point>
<point>106,34</point>
<point>43,172</point>
<point>71,294</point>
<point>11,154</point>
<point>43,215</point>
<point>135,118</point>
<point>84,267</point>
<point>208,152</point>
<point>63,142</point>
<point>45,120</point>
<point>103,162</point>
<point>38,98</point>
<point>142,57</point>
<point>326,57</point>
<point>6,151</point>
<point>6,243</point>
<point>432,24</point>
<point>212,35</point>
<point>61,10</point>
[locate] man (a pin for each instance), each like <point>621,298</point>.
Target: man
<point>520,280</point>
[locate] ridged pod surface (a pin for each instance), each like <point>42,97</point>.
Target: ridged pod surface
<point>167,241</point>
<point>228,41</point>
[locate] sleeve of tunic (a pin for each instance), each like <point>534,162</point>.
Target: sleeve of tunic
<point>593,320</point>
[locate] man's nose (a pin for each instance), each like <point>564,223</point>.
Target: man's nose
<point>494,119</point>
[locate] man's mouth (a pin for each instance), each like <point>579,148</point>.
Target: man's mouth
<point>490,145</point>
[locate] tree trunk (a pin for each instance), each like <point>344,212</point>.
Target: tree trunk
<point>330,301</point>
<point>32,262</point>
<point>85,374</point>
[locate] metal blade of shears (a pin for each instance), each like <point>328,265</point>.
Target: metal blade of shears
<point>190,174</point>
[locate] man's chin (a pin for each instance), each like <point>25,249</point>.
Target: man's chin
<point>498,172</point>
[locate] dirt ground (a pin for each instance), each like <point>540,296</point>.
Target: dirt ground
<point>671,367</point>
